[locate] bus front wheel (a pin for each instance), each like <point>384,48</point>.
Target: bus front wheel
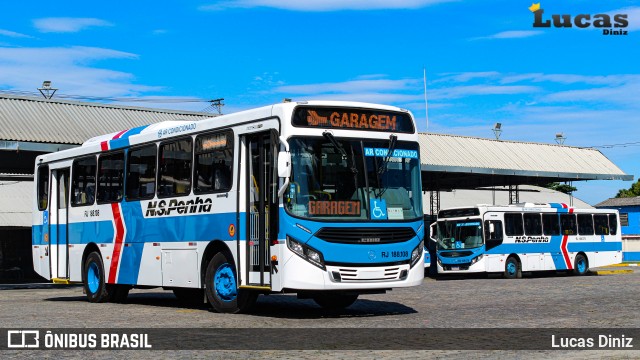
<point>334,301</point>
<point>512,269</point>
<point>581,265</point>
<point>222,286</point>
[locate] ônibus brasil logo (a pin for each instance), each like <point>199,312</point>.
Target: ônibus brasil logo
<point>610,24</point>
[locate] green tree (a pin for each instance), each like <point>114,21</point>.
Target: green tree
<point>564,188</point>
<point>633,191</point>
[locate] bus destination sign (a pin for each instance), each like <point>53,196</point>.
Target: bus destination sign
<point>353,119</point>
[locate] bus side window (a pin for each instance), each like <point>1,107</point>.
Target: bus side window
<point>532,224</point>
<point>83,183</point>
<point>601,223</point>
<point>175,168</point>
<point>141,173</point>
<point>110,177</point>
<point>551,224</point>
<point>568,223</point>
<point>513,224</point>
<point>493,233</point>
<point>213,163</point>
<point>43,187</point>
<point>585,224</point>
<point>613,224</point>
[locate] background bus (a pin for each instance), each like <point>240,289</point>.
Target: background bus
<point>525,237</point>
<point>322,199</point>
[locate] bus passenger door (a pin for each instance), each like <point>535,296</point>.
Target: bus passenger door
<point>58,218</point>
<point>262,206</point>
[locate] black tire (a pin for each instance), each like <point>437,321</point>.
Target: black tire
<point>512,269</point>
<point>93,279</point>
<point>225,297</point>
<point>189,297</point>
<point>580,265</point>
<point>118,293</point>
<point>334,300</point>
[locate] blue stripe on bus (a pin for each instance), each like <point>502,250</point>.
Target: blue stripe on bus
<point>123,141</point>
<point>130,260</point>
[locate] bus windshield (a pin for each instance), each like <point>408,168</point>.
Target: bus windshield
<point>354,180</point>
<point>459,234</point>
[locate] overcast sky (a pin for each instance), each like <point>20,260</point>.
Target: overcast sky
<point>485,62</point>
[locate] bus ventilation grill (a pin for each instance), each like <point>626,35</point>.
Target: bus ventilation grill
<point>366,235</point>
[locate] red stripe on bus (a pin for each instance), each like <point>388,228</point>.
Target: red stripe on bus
<point>104,146</point>
<point>565,253</point>
<point>117,247</point>
<point>117,136</point>
<point>563,246</point>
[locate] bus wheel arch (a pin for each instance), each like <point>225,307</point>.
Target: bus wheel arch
<point>581,264</point>
<point>513,267</point>
<point>214,247</point>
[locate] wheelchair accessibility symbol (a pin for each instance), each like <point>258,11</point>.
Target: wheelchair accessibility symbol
<point>378,209</point>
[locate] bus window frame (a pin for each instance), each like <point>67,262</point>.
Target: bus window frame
<point>41,188</point>
<point>72,185</point>
<point>231,146</point>
<point>159,147</point>
<point>126,172</point>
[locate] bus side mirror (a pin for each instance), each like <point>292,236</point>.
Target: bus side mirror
<point>432,232</point>
<point>284,164</point>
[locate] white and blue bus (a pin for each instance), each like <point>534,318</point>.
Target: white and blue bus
<point>318,198</point>
<point>525,237</point>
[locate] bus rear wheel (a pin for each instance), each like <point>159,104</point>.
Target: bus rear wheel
<point>93,279</point>
<point>334,301</point>
<point>222,286</point>
<point>580,265</point>
<point>512,269</point>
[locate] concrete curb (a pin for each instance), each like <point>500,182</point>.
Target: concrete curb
<point>611,272</point>
<point>625,264</point>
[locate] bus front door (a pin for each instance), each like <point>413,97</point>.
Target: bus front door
<point>262,206</point>
<point>58,230</point>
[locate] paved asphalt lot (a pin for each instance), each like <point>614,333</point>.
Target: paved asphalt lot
<point>538,301</point>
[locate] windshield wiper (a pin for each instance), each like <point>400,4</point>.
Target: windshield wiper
<point>329,136</point>
<point>392,146</point>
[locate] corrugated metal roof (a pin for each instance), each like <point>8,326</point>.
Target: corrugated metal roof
<point>453,153</point>
<point>532,194</point>
<point>24,118</point>
<point>629,201</point>
<point>16,198</point>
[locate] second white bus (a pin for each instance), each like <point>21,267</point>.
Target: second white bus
<point>524,238</point>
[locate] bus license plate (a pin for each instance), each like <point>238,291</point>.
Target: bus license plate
<point>455,268</point>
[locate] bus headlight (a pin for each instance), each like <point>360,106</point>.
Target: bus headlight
<point>308,253</point>
<point>416,254</point>
<point>476,259</point>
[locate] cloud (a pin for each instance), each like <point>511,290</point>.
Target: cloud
<point>13,34</point>
<point>353,86</point>
<point>465,76</point>
<point>457,92</point>
<point>512,34</point>
<point>67,25</point>
<point>633,13</point>
<point>323,5</point>
<point>69,69</point>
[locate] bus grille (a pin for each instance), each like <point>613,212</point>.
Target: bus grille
<point>365,235</point>
<point>349,274</point>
